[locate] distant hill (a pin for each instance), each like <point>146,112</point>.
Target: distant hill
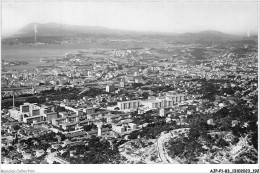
<point>55,29</point>
<point>210,35</point>
<point>54,33</point>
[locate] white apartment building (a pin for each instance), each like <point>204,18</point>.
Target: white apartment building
<point>128,105</point>
<point>124,128</point>
<point>168,100</point>
<point>31,113</point>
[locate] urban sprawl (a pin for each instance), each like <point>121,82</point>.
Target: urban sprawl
<point>191,103</point>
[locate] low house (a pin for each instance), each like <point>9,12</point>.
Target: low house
<point>62,151</point>
<point>15,161</point>
<point>72,153</point>
<point>7,160</point>
<point>19,148</point>
<point>92,132</point>
<point>48,150</point>
<point>76,134</point>
<point>111,117</point>
<point>39,153</point>
<point>124,127</point>
<point>55,146</point>
<point>27,156</point>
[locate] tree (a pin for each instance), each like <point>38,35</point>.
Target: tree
<point>222,113</point>
<point>255,140</point>
<point>194,134</point>
<point>222,143</point>
<point>10,148</point>
<point>87,127</point>
<point>133,135</point>
<point>235,140</point>
<point>16,127</point>
<point>120,67</point>
<point>145,95</point>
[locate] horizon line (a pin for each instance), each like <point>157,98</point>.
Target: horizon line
<point>245,33</point>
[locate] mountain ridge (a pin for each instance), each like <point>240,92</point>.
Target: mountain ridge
<point>57,33</point>
<point>57,29</point>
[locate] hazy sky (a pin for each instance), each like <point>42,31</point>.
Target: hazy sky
<point>162,16</point>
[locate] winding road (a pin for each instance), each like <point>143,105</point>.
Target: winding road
<point>162,154</point>
<point>160,145</point>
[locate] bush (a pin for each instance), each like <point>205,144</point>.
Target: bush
<point>255,140</point>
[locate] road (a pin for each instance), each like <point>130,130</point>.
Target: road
<point>162,154</point>
<point>161,151</point>
<point>160,145</point>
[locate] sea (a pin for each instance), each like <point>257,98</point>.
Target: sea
<point>34,53</point>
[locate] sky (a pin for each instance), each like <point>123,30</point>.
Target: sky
<point>159,16</point>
